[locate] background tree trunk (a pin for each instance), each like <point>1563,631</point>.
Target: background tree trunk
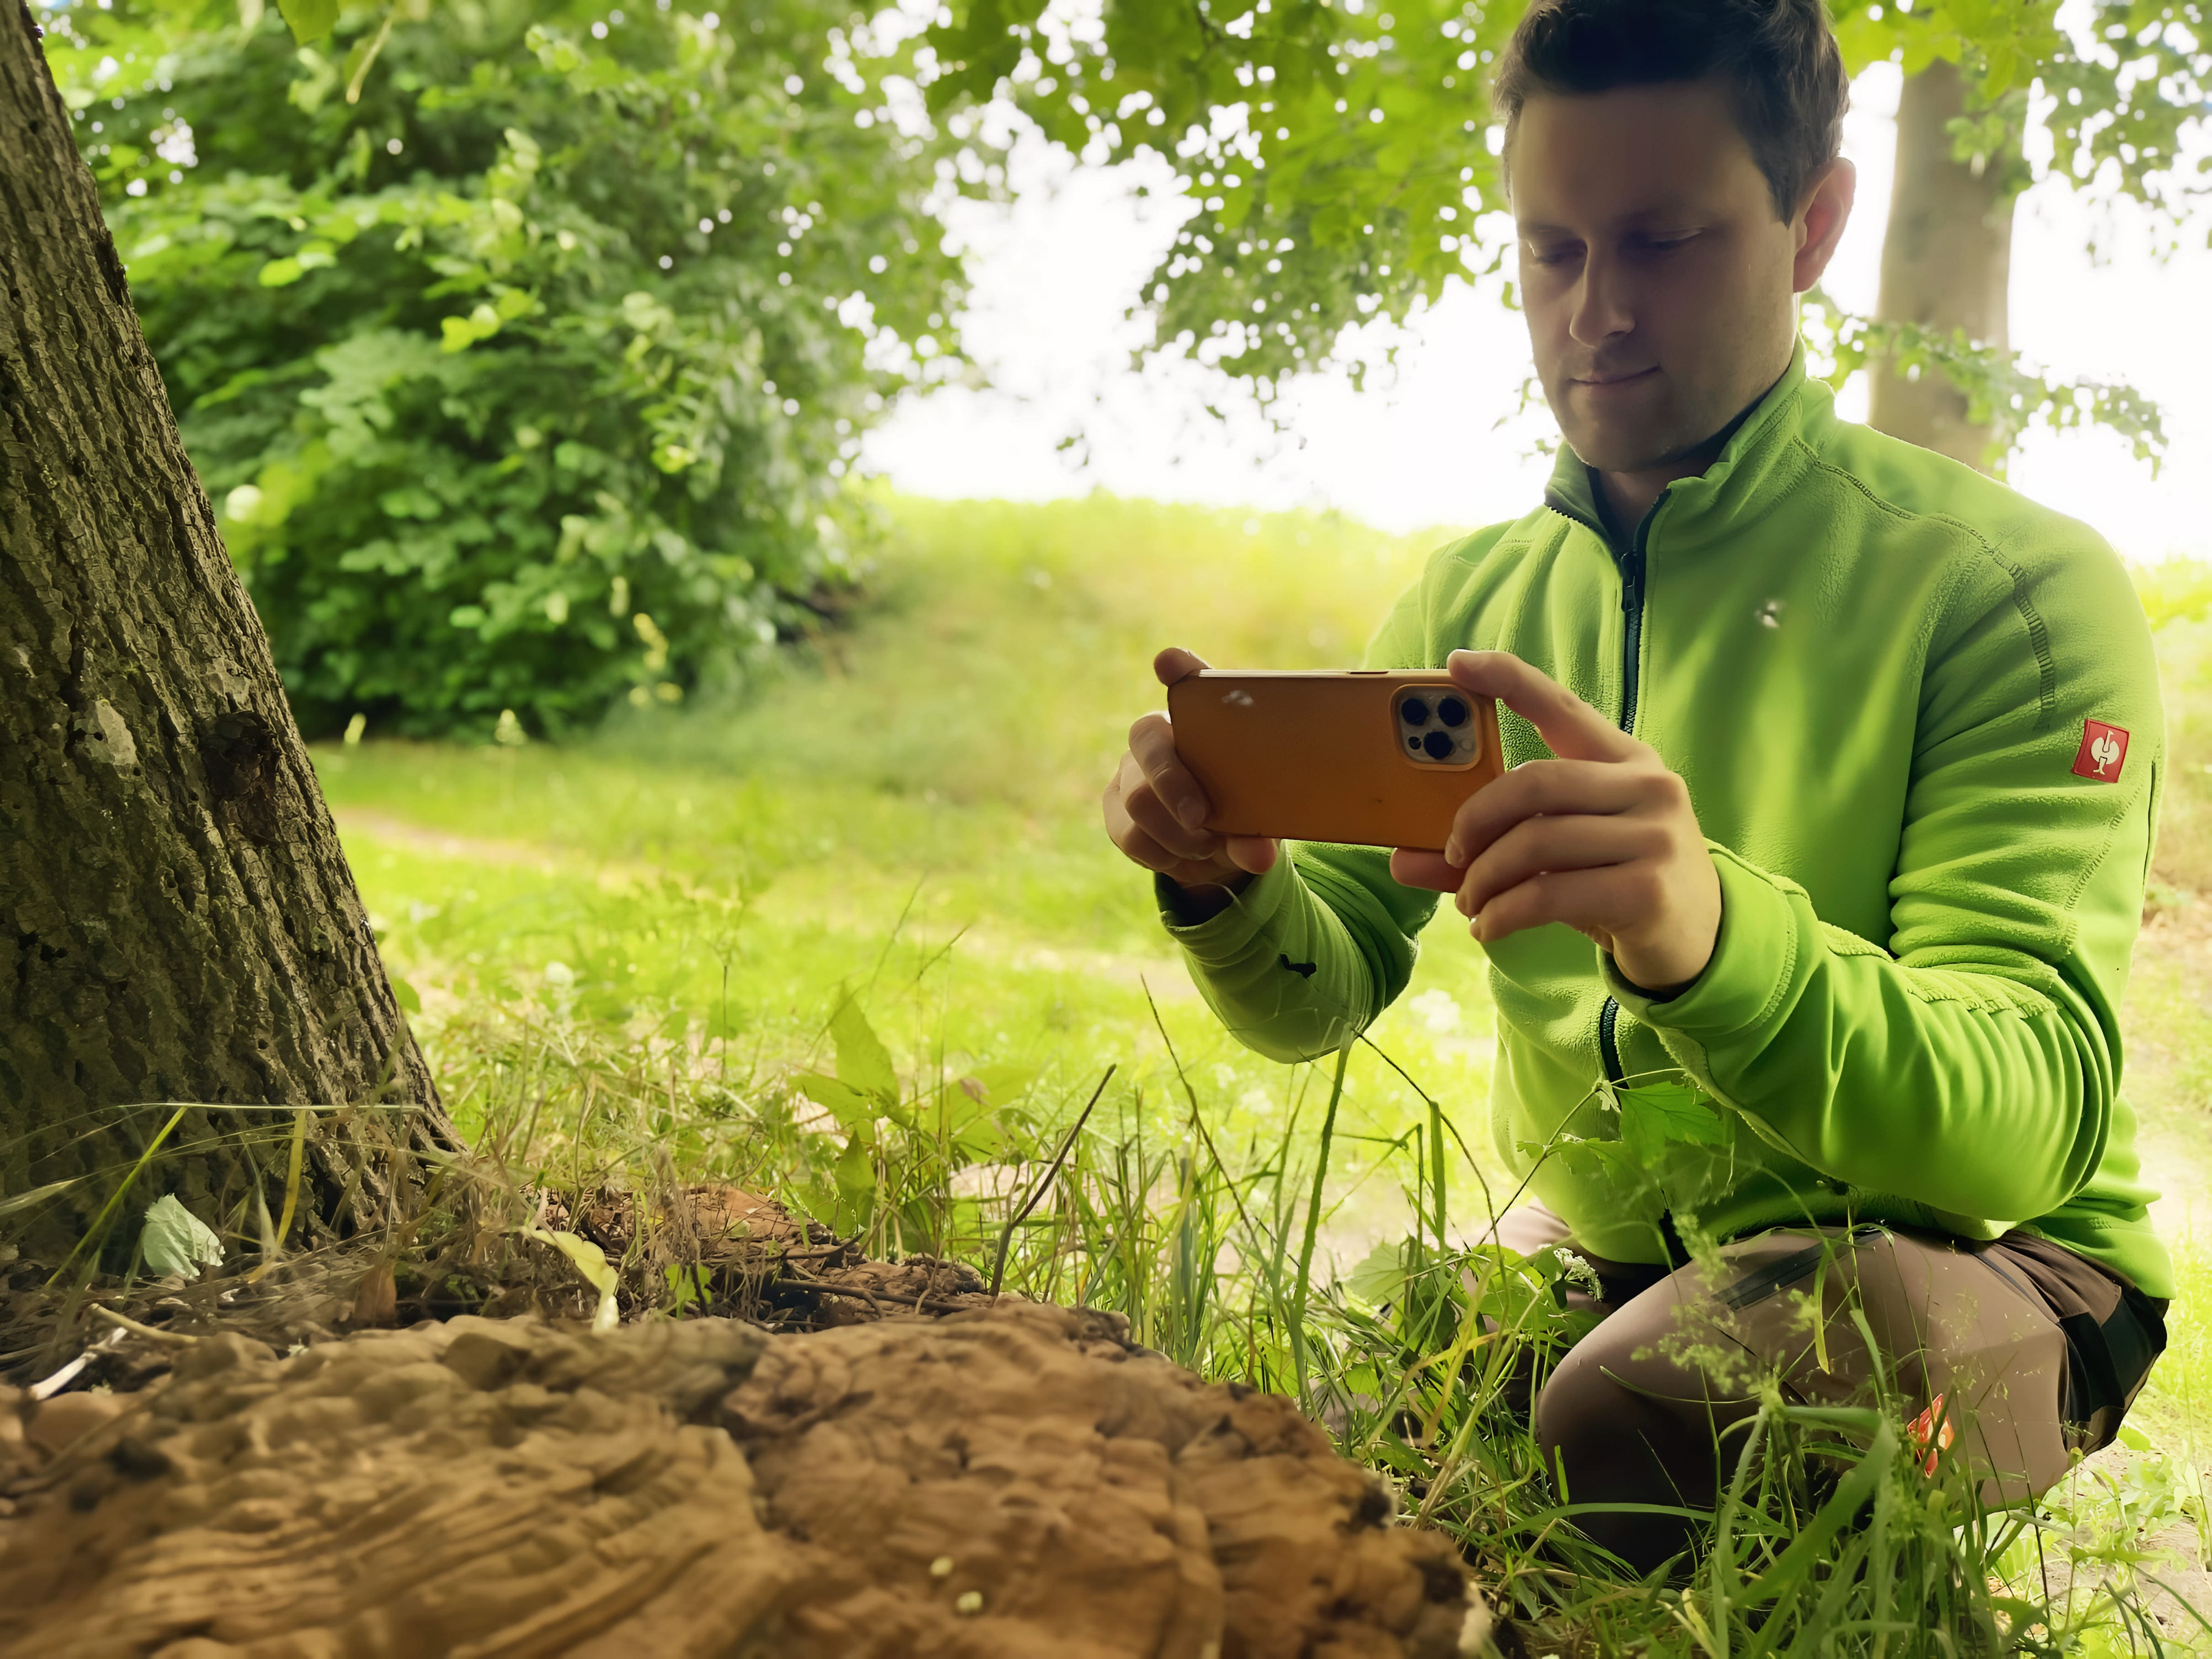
<point>1946,264</point>
<point>179,922</point>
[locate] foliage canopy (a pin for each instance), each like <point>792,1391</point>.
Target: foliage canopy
<point>527,380</point>
<point>1342,155</point>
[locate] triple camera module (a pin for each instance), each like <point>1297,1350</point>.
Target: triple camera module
<point>1436,726</point>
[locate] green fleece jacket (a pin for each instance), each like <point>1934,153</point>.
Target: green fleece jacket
<point>1918,716</point>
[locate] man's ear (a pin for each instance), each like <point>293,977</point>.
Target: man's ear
<point>1820,223</point>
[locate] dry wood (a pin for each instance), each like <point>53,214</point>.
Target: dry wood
<point>1016,1481</point>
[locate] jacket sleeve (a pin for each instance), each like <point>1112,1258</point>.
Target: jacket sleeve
<point>1307,955</point>
<point>1969,1062</point>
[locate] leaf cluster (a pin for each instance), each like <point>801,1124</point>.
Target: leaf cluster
<point>1336,153</point>
<point>527,378</point>
<point>1338,156</point>
<point>892,1178</point>
<point>2004,394</point>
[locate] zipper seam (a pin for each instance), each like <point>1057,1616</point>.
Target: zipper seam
<point>1631,566</point>
<point>1608,1040</point>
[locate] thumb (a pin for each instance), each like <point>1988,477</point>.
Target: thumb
<point>1569,727</point>
<point>1173,663</point>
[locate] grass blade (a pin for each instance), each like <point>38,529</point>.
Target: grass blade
<point>1304,1281</point>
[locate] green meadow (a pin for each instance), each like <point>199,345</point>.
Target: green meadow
<point>855,940</point>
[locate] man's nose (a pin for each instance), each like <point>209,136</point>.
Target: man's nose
<point>1602,308</point>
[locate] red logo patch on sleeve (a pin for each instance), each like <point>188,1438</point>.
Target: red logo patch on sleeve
<point>2103,751</point>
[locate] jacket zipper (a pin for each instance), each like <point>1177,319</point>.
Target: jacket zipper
<point>1631,566</point>
<point>1631,617</point>
<point>1608,1042</point>
<point>1631,563</point>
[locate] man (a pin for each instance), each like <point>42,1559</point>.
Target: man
<point>1843,756</point>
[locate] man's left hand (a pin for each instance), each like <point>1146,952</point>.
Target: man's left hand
<point>1602,838</point>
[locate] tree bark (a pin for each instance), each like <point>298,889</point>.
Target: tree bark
<point>180,924</point>
<point>1946,264</point>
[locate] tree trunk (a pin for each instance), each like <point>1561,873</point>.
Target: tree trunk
<point>1946,264</point>
<point>181,923</point>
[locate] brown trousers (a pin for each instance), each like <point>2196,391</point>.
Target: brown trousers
<point>2022,1351</point>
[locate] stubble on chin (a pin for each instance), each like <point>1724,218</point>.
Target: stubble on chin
<point>1647,443</point>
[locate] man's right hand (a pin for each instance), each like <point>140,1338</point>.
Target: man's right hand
<point>1155,813</point>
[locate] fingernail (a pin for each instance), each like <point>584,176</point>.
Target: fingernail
<point>1452,857</point>
<point>1190,811</point>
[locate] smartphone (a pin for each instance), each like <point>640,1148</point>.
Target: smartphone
<point>1372,756</point>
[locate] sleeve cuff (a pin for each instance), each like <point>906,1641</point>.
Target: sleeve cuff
<point>1752,961</point>
<point>1226,935</point>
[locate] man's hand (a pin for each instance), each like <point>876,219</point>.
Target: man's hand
<point>1602,838</point>
<point>1155,813</point>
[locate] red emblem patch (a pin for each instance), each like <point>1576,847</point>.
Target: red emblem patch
<point>2103,751</point>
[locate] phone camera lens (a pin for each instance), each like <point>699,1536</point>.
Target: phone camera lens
<point>1452,712</point>
<point>1438,745</point>
<point>1412,743</point>
<point>1414,712</point>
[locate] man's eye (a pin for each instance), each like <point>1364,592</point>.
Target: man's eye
<point>1554,255</point>
<point>1663,244</point>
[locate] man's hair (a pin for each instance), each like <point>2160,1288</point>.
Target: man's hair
<point>1778,58</point>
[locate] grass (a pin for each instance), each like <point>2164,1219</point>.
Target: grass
<point>859,943</point>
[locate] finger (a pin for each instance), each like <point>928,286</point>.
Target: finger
<point>1145,849</point>
<point>1173,663</point>
<point>1152,741</point>
<point>1151,815</point>
<point>1591,901</point>
<point>1551,788</point>
<point>1139,848</point>
<point>1570,728</point>
<point>1253,854</point>
<point>1412,868</point>
<point>1538,846</point>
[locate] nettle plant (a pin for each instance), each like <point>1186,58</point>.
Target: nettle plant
<point>524,346</point>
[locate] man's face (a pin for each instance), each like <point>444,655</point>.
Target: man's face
<point>1656,279</point>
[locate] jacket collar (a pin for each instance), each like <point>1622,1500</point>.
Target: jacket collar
<point>1756,463</point>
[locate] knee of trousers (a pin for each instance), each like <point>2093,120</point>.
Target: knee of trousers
<point>1627,1416</point>
<point>1653,1387</point>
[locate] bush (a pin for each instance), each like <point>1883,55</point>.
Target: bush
<point>528,380</point>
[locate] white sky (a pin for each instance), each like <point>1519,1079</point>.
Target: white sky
<point>1053,272</point>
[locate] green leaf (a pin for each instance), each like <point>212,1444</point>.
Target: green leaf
<point>854,1111</point>
<point>863,1062</point>
<point>176,1240</point>
<point>855,1174</point>
<point>282,273</point>
<point>591,1261</point>
<point>997,1085</point>
<point>310,19</point>
<point>1655,1114</point>
<point>405,995</point>
<point>1380,1275</point>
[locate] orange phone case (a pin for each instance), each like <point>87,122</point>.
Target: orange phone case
<point>1334,757</point>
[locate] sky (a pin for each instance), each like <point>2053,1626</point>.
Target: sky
<point>1438,444</point>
